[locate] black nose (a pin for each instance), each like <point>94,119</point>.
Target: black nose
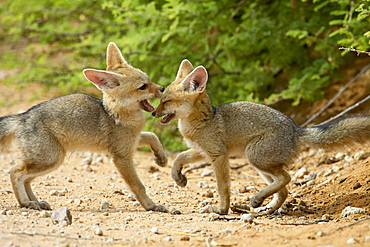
<point>153,114</point>
<point>161,89</point>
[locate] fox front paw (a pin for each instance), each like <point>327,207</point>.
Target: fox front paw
<point>220,211</point>
<point>161,160</point>
<point>180,179</point>
<point>159,208</point>
<point>256,202</point>
<point>44,205</point>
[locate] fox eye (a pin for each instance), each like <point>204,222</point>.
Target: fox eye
<point>143,87</point>
<point>166,101</point>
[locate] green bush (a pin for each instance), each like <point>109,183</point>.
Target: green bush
<point>254,50</point>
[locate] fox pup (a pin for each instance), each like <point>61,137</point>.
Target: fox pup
<point>269,139</point>
<point>77,122</point>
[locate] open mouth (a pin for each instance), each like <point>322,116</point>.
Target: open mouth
<point>167,118</point>
<point>146,106</point>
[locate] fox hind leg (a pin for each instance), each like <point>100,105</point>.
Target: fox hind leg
<point>49,156</point>
<point>277,181</point>
<point>21,182</point>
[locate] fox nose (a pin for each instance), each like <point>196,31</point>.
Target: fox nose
<point>153,114</point>
<point>161,89</point>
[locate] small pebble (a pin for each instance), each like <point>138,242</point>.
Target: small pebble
<point>247,218</point>
<point>203,185</point>
<point>351,241</point>
<point>185,238</point>
<point>361,155</point>
<point>167,238</point>
<point>207,173</point>
<point>154,230</point>
<point>352,210</point>
<point>105,205</point>
<point>98,232</point>
<point>206,209</point>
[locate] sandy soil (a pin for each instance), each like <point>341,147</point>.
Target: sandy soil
<point>310,217</point>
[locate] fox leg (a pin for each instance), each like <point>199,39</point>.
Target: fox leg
<point>277,181</point>
<point>151,140</point>
<point>220,166</point>
<point>186,157</point>
<point>48,157</point>
<point>127,170</point>
<point>21,181</point>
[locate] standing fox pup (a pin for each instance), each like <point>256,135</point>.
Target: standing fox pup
<point>79,122</point>
<point>268,138</point>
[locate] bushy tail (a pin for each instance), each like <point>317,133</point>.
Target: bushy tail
<point>343,134</point>
<point>7,127</point>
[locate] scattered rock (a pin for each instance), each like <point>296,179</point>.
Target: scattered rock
<point>87,161</point>
<point>185,238</point>
<point>247,218</point>
<point>361,155</point>
<point>207,173</point>
<point>45,214</point>
<point>58,193</point>
<point>208,194</point>
<point>61,214</point>
<point>352,210</point>
<point>167,238</point>
<point>326,217</point>
<point>352,241</point>
<point>203,185</point>
<point>340,156</point>
<point>301,172</point>
<point>206,209</point>
<point>356,186</point>
<point>105,205</point>
<point>154,230</point>
<point>98,232</point>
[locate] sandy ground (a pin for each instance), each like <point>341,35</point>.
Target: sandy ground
<point>310,217</point>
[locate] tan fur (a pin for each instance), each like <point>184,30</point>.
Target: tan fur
<point>268,138</point>
<point>46,132</point>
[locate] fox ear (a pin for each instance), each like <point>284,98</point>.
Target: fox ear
<point>114,57</point>
<point>196,81</point>
<point>185,68</point>
<point>103,80</point>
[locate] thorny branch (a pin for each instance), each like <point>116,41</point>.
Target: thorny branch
<point>354,50</point>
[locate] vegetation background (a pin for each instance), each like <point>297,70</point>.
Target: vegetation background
<point>263,51</point>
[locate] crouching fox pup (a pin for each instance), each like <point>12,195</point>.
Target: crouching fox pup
<point>269,139</point>
<point>79,122</point>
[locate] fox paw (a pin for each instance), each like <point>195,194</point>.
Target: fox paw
<point>159,208</point>
<point>44,205</point>
<point>180,179</point>
<point>161,160</point>
<point>256,201</point>
<point>32,205</point>
<point>220,211</point>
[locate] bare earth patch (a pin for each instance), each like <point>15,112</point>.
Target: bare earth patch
<point>104,212</point>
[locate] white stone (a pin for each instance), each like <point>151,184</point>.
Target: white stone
<point>247,218</point>
<point>352,210</point>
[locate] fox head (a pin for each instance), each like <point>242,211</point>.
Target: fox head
<point>123,84</point>
<point>179,98</point>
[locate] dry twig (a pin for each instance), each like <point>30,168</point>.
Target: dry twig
<point>363,70</point>
<point>354,50</point>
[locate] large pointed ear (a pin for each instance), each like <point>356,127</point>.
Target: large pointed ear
<point>196,81</point>
<point>103,80</point>
<point>185,68</point>
<point>114,57</point>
